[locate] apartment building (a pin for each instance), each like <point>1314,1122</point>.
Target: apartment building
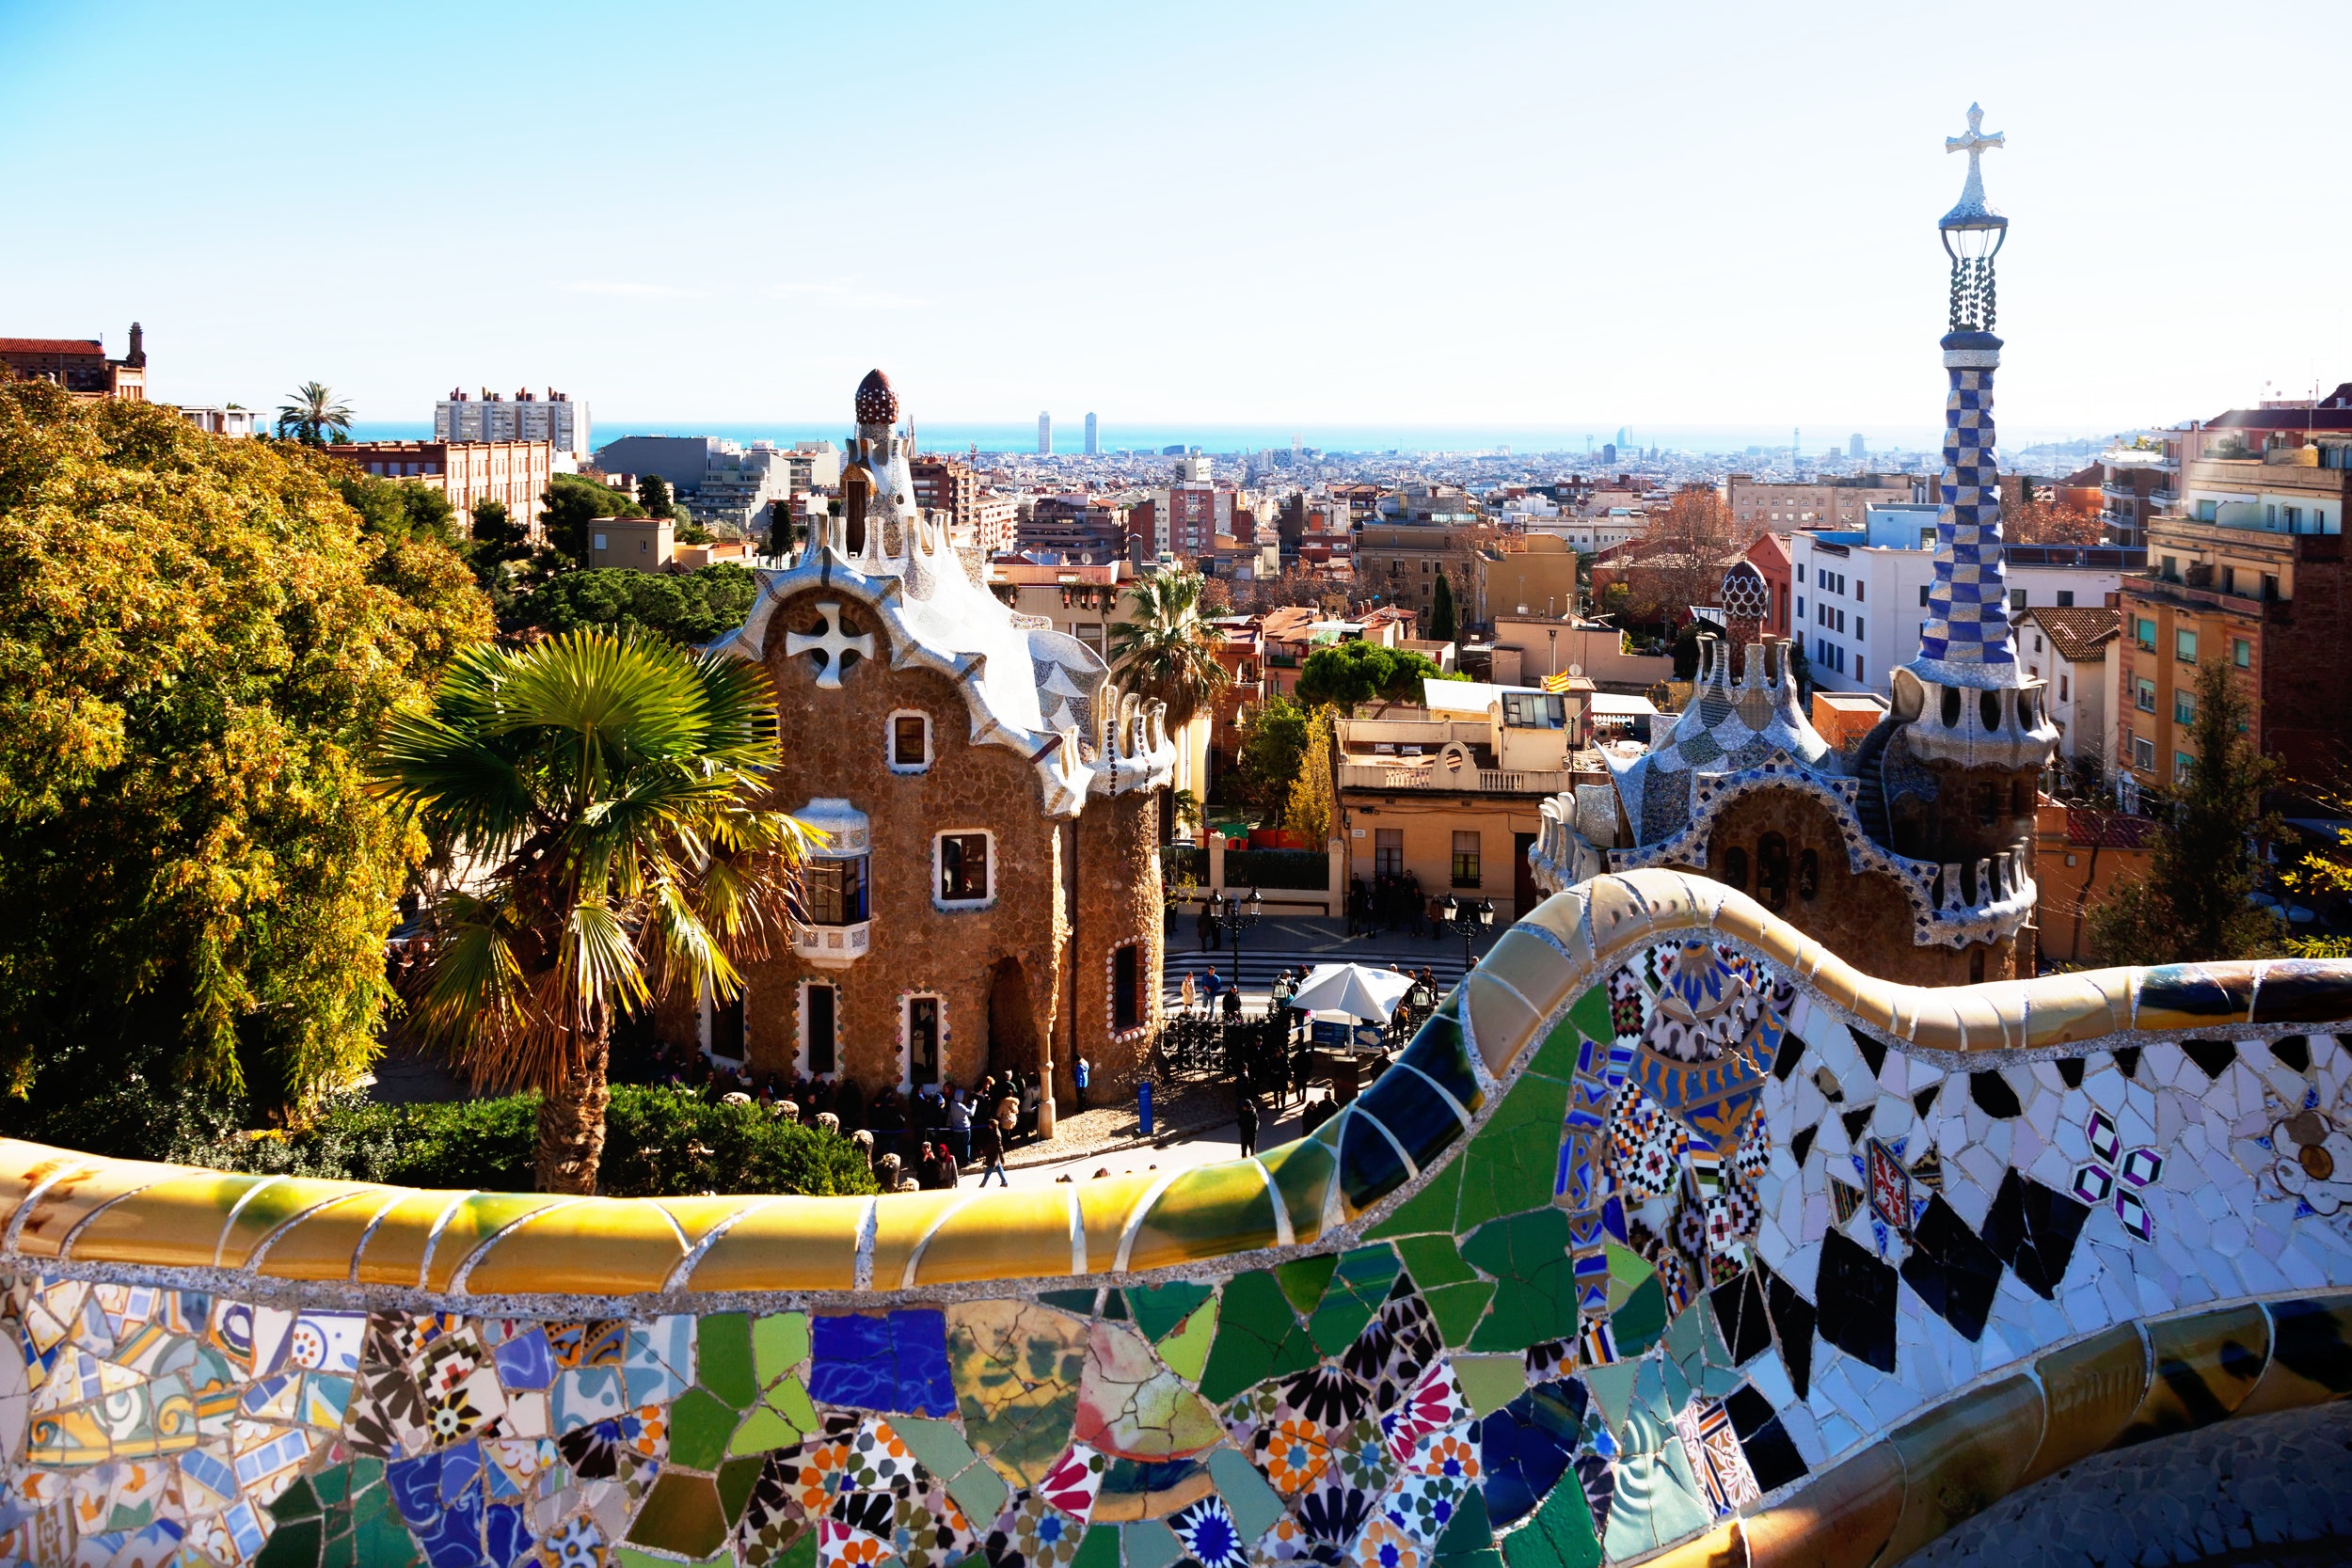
<point>79,365</point>
<point>1861,595</point>
<point>2074,653</point>
<point>2250,571</point>
<point>1522,573</point>
<point>2136,485</point>
<point>943,483</point>
<point>513,472</point>
<point>555,419</point>
<point>1758,505</point>
<point>1402,562</point>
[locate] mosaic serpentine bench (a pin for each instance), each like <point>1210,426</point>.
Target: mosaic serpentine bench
<point>1670,1236</point>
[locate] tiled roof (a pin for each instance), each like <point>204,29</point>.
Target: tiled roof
<point>53,345</point>
<point>2108,830</point>
<point>2078,632</point>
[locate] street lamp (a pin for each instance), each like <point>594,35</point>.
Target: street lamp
<point>1470,920</point>
<point>1237,917</point>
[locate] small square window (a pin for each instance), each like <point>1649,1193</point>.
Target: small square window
<point>2066,598</point>
<point>910,742</point>
<point>2185,646</point>
<point>2144,633</point>
<point>2017,598</point>
<point>2143,753</point>
<point>963,868</point>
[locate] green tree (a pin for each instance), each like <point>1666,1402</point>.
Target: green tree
<point>1442,627</point>
<point>199,639</point>
<point>312,415</point>
<point>653,494</point>
<point>1163,651</point>
<point>685,606</point>
<point>399,507</point>
<point>2197,899</point>
<point>571,504</point>
<point>784,534</point>
<point>2322,874</point>
<point>611,787</point>
<point>1347,673</point>
<point>1274,738</point>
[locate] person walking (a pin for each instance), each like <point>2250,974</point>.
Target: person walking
<point>1245,1114</point>
<point>1081,1071</point>
<point>1191,992</point>
<point>988,1139</point>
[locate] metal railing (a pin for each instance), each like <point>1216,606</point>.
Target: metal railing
<point>1483,781</point>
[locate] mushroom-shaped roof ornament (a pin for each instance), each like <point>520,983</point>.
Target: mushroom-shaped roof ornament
<point>876,403</point>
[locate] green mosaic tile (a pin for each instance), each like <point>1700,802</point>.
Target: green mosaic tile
<point>790,1400</point>
<point>1508,1168</point>
<point>1556,1057</point>
<point>1186,1350</point>
<point>700,1425</point>
<point>1470,1530</point>
<point>381,1538</point>
<point>1434,1261</point>
<point>779,1343</point>
<point>1158,1309</point>
<point>1428,1211</point>
<point>1591,1014</point>
<point>1612,1388</point>
<point>1491,1381</point>
<point>1097,1548</point>
<point>1080,1302</point>
<point>1303,1172</point>
<point>1457,1308</point>
<point>1560,1534</point>
<point>681,1515</point>
<point>737,1478</point>
<point>979,1491</point>
<point>1536,1285</point>
<point>294,1545</point>
<point>1356,1290</point>
<point>802,1552</point>
<point>938,1444</point>
<point>297,1502</point>
<point>723,1358</point>
<point>1303,1279</point>
<point>337,1482</point>
<point>763,1431</point>
<point>1149,1543</point>
<point>1257,1337</point>
<point>1636,1325</point>
<point>1255,1505</point>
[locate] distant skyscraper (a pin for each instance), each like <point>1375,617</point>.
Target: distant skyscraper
<point>1094,437</point>
<point>1044,434</point>
<point>1854,448</point>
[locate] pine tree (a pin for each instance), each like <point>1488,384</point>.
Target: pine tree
<point>2196,903</point>
<point>1442,627</point>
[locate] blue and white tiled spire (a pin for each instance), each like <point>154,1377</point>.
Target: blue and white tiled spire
<point>1966,640</point>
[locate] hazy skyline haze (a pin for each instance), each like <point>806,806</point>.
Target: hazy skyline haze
<point>1532,215</point>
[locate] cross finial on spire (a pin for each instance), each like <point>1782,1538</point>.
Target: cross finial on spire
<point>1971,211</point>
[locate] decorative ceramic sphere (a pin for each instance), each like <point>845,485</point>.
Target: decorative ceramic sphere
<point>1746,597</point>
<point>876,403</point>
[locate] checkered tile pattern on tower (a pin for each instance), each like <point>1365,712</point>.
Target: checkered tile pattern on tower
<point>1968,604</point>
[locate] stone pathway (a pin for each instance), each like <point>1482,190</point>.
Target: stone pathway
<point>2266,1491</point>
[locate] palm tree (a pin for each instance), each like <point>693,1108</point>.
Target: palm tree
<point>312,415</point>
<point>610,788</point>
<point>1164,650</point>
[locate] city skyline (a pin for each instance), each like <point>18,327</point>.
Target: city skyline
<point>1719,294</point>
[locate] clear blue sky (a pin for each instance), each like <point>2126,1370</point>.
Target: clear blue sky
<point>1439,213</point>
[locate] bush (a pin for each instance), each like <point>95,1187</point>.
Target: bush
<point>1283,868</point>
<point>659,1142</point>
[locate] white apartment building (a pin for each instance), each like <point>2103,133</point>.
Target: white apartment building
<point>1758,506</point>
<point>1861,595</point>
<point>2076,654</point>
<point>555,419</point>
<point>1589,533</point>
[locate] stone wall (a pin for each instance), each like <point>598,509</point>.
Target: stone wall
<point>1671,1237</point>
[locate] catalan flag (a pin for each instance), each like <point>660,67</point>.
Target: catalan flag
<point>1557,682</point>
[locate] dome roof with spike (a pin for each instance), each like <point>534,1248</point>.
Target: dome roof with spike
<point>876,403</point>
<point>1730,724</point>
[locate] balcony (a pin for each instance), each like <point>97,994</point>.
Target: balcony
<point>1481,781</point>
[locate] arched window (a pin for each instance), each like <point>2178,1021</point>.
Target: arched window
<point>1736,867</point>
<point>2020,799</point>
<point>1808,874</point>
<point>1772,871</point>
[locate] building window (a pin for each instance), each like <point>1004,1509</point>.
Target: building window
<point>2183,708</point>
<point>2182,761</point>
<point>1923,594</point>
<point>1126,988</point>
<point>1857,667</point>
<point>2062,697</point>
<point>910,742</point>
<point>1388,851</point>
<point>1809,873</point>
<point>2143,753</point>
<point>1465,860</point>
<point>2066,598</point>
<point>961,861</point>
<point>1801,607</point>
<point>820,1029</point>
<point>1858,594</point>
<point>1736,867</point>
<point>1771,870</point>
<point>834,892</point>
<point>2185,646</point>
<point>2017,598</point>
<point>2144,632</point>
<point>2241,653</point>
<point>1800,572</point>
<point>923,1032</point>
